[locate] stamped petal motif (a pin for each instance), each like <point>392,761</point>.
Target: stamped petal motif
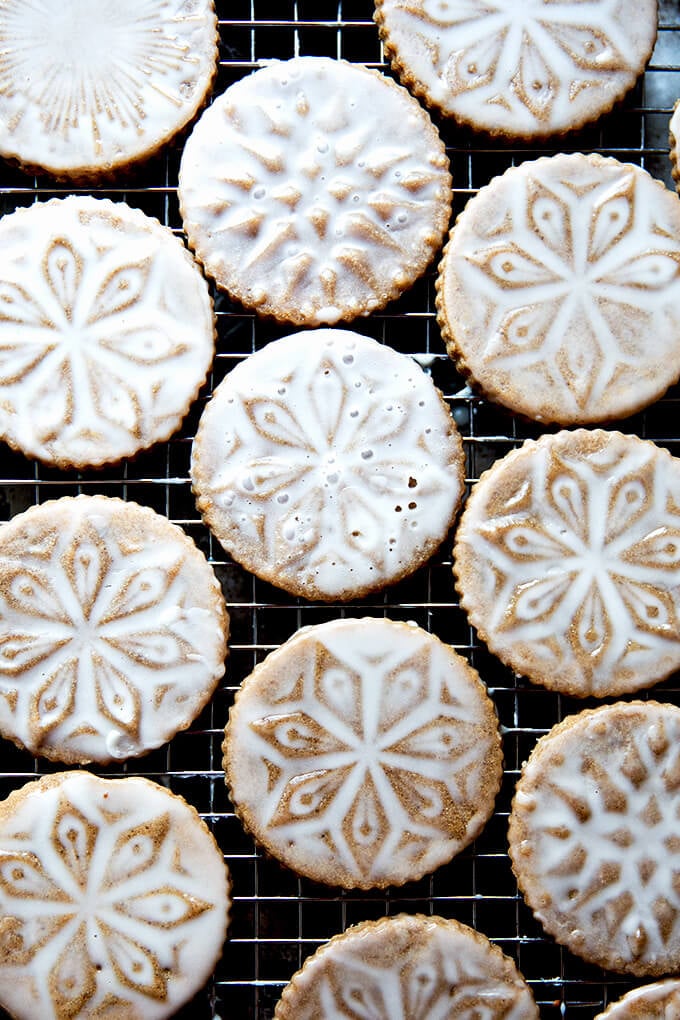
<point>328,396</point>
<point>117,699</point>
<point>24,649</point>
<point>72,981</point>
<point>74,836</point>
<point>136,850</point>
<point>18,360</point>
<point>23,877</point>
<point>652,609</point>
<point>143,346</point>
<point>264,477</point>
<point>612,217</point>
<point>297,735</point>
<point>86,563</point>
<point>358,992</point>
<point>18,306</point>
<point>427,801</point>
<point>654,270</point>
<point>535,85</point>
<point>476,65</point>
<point>534,601</point>
<point>141,590</point>
<point>366,825</point>
<point>53,701</point>
<point>121,289</point>
<point>163,908</point>
<point>62,266</point>
<point>592,631</point>
<point>153,648</point>
<point>274,420</point>
<point>21,940</point>
<point>31,594</point>
<point>442,739</point>
<point>512,268</point>
<point>309,796</point>
<point>135,966</point>
<point>659,550</point>
<point>589,48</point>
<point>550,217</point>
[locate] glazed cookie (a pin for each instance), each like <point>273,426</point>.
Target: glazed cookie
<point>674,139</point>
<point>559,291</point>
<point>519,70</point>
<point>659,1001</point>
<point>315,190</point>
<point>363,753</point>
<point>88,87</point>
<point>593,836</point>
<point>328,465</point>
<point>112,630</point>
<point>567,560</point>
<point>106,331</point>
<point>408,967</point>
<point>114,900</point>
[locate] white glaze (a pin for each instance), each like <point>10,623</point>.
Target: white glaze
<point>106,331</point>
<point>408,968</point>
<point>113,897</point>
<point>328,464</point>
<point>363,753</point>
<point>568,560</point>
<point>314,190</point>
<point>112,629</point>
<point>89,85</point>
<point>561,288</point>
<point>523,69</point>
<point>658,1001</point>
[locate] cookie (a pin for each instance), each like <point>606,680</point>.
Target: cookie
<point>567,561</point>
<point>112,630</point>
<point>674,133</point>
<point>658,1001</point>
<point>106,331</point>
<point>593,836</point>
<point>114,900</point>
<point>524,72</point>
<point>559,290</point>
<point>315,190</point>
<point>328,465</point>
<point>89,88</point>
<point>363,753</point>
<point>408,966</point>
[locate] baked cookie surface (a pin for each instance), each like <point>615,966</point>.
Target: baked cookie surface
<point>593,836</point>
<point>328,464</point>
<point>315,190</point>
<point>567,560</point>
<point>363,753</point>
<point>658,1001</point>
<point>559,291</point>
<point>112,629</point>
<point>114,900</point>
<point>519,70</point>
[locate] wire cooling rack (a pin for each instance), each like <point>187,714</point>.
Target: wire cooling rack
<point>279,919</point>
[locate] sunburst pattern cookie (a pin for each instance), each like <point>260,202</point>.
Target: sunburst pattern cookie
<point>315,190</point>
<point>567,560</point>
<point>593,836</point>
<point>658,1001</point>
<point>114,900</point>
<point>559,290</point>
<point>106,331</point>
<point>363,753</point>
<point>112,629</point>
<point>328,464</point>
<point>408,968</point>
<point>88,87</point>
<point>526,70</point>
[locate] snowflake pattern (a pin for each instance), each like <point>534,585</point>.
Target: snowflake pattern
<point>568,559</point>
<point>594,835</point>
<point>364,753</point>
<point>527,69</point>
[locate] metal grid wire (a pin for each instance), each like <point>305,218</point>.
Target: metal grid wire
<point>279,919</point>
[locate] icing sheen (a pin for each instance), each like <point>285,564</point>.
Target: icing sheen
<point>560,289</point>
<point>363,753</point>
<point>89,85</point>
<point>314,190</point>
<point>530,69</point>
<point>112,629</point>
<point>106,331</point>
<point>113,900</point>
<point>659,1001</point>
<point>568,561</point>
<point>328,464</point>
<point>408,968</point>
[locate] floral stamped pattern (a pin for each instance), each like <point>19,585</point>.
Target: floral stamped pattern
<point>106,331</point>
<point>328,464</point>
<point>113,896</point>
<point>525,70</point>
<point>568,562</point>
<point>560,290</point>
<point>112,629</point>
<point>363,753</point>
<point>593,836</point>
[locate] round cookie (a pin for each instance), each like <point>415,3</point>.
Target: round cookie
<point>559,290</point>
<point>408,966</point>
<point>315,190</point>
<point>328,464</point>
<point>674,137</point>
<point>106,331</point>
<point>112,630</point>
<point>524,71</point>
<point>594,836</point>
<point>88,87</point>
<point>363,753</point>
<point>658,1001</point>
<point>567,561</point>
<point>114,900</point>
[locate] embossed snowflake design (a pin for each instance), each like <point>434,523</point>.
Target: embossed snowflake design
<point>574,285</point>
<point>582,557</point>
<point>104,897</point>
